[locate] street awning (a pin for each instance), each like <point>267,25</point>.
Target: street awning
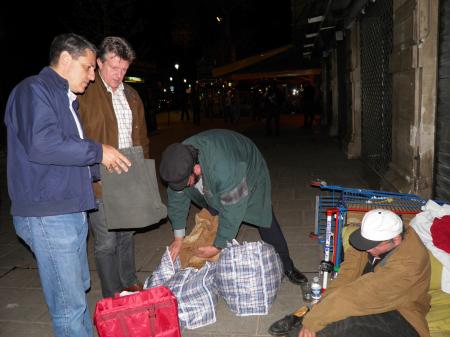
<point>286,61</point>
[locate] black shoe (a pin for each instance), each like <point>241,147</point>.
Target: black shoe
<point>295,276</point>
<point>284,325</point>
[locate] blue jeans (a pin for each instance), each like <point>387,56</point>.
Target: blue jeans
<point>59,244</point>
<point>114,254</point>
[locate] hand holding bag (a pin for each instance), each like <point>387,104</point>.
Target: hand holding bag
<point>203,234</point>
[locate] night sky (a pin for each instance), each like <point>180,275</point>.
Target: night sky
<point>162,32</point>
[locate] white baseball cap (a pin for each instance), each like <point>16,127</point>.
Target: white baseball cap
<point>377,225</point>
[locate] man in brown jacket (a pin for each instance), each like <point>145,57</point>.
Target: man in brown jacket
<point>113,113</point>
<point>381,289</point>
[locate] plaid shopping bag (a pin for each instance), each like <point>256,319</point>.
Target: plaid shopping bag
<point>166,269</point>
<point>196,295</point>
<point>248,277</point>
<point>194,289</point>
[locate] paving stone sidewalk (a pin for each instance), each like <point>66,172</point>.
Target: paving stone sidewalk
<point>294,158</point>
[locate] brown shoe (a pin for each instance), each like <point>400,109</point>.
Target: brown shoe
<point>135,287</point>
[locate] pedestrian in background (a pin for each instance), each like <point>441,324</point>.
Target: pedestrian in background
<point>227,107</point>
<point>184,104</point>
<point>308,105</point>
<point>51,165</point>
<point>113,113</point>
<point>273,105</point>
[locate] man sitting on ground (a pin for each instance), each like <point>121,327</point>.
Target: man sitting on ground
<point>381,289</point>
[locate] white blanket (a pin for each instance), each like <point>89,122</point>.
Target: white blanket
<point>422,223</point>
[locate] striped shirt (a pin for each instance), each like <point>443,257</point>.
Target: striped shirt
<point>124,115</point>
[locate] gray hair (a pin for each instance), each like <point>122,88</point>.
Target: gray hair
<point>118,46</point>
<point>74,44</point>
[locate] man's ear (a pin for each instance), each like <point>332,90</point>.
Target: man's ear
<point>197,169</point>
<point>65,58</point>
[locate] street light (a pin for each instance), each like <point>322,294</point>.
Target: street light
<point>176,66</point>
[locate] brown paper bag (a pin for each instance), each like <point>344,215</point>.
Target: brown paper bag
<point>203,234</point>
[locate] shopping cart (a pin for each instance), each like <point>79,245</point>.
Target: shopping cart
<point>336,203</point>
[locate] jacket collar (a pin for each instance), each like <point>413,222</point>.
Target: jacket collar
<point>106,85</point>
<point>51,75</point>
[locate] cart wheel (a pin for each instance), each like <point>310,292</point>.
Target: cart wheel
<point>313,236</point>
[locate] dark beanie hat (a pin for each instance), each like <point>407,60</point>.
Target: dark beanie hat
<point>176,165</point>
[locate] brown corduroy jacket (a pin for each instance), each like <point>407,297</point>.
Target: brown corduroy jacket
<point>99,120</point>
<point>399,282</point>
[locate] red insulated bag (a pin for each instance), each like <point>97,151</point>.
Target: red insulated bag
<point>149,313</point>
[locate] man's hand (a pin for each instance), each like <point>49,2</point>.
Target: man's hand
<point>207,252</point>
<point>305,332</point>
<point>175,247</point>
<point>113,160</point>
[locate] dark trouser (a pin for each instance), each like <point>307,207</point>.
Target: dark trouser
<point>227,117</point>
<point>387,324</point>
<point>184,113</point>
<point>273,236</point>
<point>309,115</point>
<point>273,117</point>
<point>114,254</point>
<point>309,119</point>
